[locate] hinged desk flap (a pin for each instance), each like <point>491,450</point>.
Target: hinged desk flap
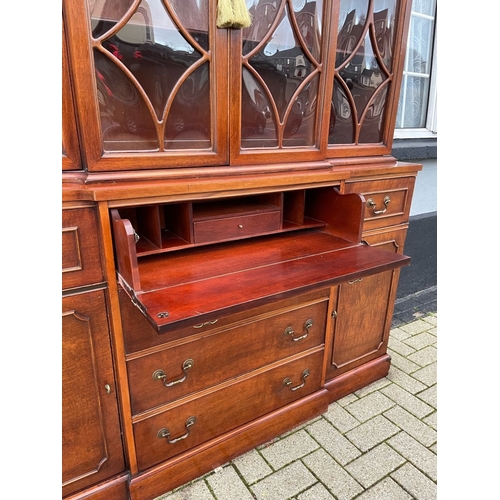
<point>207,291</point>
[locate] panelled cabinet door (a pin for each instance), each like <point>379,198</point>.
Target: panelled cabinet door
<point>278,67</point>
<point>362,322</point>
<point>150,82</point>
<point>92,448</point>
<point>369,56</point>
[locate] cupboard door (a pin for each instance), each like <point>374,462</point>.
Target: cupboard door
<point>91,439</point>
<point>361,327</point>
<point>368,67</point>
<point>277,69</point>
<point>150,79</point>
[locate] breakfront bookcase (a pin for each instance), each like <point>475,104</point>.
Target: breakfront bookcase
<point>233,226</point>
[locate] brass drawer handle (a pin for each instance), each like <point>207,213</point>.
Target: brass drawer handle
<point>370,203</point>
<point>355,281</point>
<point>289,330</point>
<point>161,375</point>
<point>288,382</point>
<point>165,433</point>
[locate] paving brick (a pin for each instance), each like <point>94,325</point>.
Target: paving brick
<point>375,386</point>
<point>431,420</point>
<point>333,442</point>
<point>284,483</point>
<point>365,408</point>
<point>374,465</point>
<point>227,485</point>
<point>408,401</point>
<point>397,333</point>
<point>317,492</point>
<point>340,418</point>
<point>420,456</point>
<point>387,489</point>
<point>417,342</point>
<point>412,425</point>
<point>197,490</point>
<point>405,381</point>
<point>431,318</point>
<point>341,484</point>
<point>425,356</point>
<point>347,400</point>
<point>427,375</point>
<point>252,466</point>
<point>402,363</point>
<point>417,326</point>
<point>415,482</point>
<point>289,449</point>
<point>400,347</point>
<point>429,396</point>
<point>372,433</point>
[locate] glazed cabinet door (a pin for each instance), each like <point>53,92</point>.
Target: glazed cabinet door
<point>362,322</point>
<point>150,82</point>
<point>278,73</point>
<point>368,66</point>
<point>92,448</point>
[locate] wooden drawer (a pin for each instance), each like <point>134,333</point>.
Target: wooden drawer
<point>204,360</point>
<point>388,201</point>
<point>392,241</point>
<point>225,407</point>
<point>236,227</point>
<point>81,262</point>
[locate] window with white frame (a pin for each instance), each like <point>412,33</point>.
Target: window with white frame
<point>417,109</point>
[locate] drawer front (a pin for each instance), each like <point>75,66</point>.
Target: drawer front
<point>392,241</point>
<point>208,359</point>
<point>236,227</point>
<point>224,409</point>
<point>387,201</point>
<point>81,263</point>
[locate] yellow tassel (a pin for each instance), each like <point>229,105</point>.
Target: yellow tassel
<point>225,14</point>
<point>242,17</point>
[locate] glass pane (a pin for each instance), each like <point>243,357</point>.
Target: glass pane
<point>420,46</point>
<point>125,120</point>
<point>415,102</point>
<point>352,20</point>
<point>384,14</point>
<point>155,56</point>
<point>371,128</point>
<point>188,123</point>
<point>424,7</point>
<point>258,128</point>
<point>363,75</point>
<point>341,128</point>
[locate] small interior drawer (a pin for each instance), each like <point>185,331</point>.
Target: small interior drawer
<point>239,226</point>
<point>225,408</point>
<point>204,360</point>
<point>387,201</point>
<point>81,262</point>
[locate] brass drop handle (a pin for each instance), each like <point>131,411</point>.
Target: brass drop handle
<point>287,382</point>
<point>370,203</point>
<point>161,375</point>
<point>165,433</point>
<point>289,331</point>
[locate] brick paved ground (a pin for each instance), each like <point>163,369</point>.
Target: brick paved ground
<point>379,443</point>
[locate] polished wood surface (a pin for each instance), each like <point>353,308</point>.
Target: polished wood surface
<point>217,195</point>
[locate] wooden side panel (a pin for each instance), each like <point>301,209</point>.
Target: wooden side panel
<point>92,448</point>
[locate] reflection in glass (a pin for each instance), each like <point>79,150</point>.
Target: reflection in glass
<point>384,13</point>
<point>341,120</point>
<point>352,20</point>
<point>163,52</point>
<point>285,59</point>
<point>371,127</point>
